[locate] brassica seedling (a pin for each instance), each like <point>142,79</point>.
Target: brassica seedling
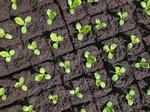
<point>42,75</point>
<point>148,91</point>
<point>130,97</point>
<point>146,5</point>
<point>109,49</point>
<point>23,23</point>
<point>100,24</point>
<point>76,92</point>
<point>119,71</point>
<point>3,95</point>
<point>51,15</point>
<point>134,40</point>
<point>56,39</point>
<point>92,1</point>
<point>21,84</point>
<point>65,65</point>
<point>7,55</point>
<point>53,98</point>
<point>143,63</point>
<point>99,82</point>
<point>109,107</point>
<point>34,48</point>
<point>28,108</point>
<point>14,4</point>
<point>90,59</point>
<point>123,16</point>
<point>83,110</point>
<point>73,4</point>
<point>4,34</point>
<point>82,30</point>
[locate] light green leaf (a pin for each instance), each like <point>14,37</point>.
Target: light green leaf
<point>19,21</point>
<point>28,19</point>
<point>78,26</point>
<point>115,77</point>
<point>8,59</point>
<point>8,36</point>
<point>24,29</point>
<point>47,76</point>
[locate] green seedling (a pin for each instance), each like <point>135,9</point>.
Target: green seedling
<point>51,15</point>
<point>99,82</point>
<point>90,59</point>
<point>21,84</point>
<point>148,91</point>
<point>56,40</point>
<point>143,64</point>
<point>109,107</point>
<point>82,30</point>
<point>73,4</point>
<point>99,24</point>
<point>146,5</point>
<point>53,98</point>
<point>28,108</point>
<point>83,110</point>
<point>34,48</point>
<point>134,40</point>
<point>110,50</point>
<point>23,23</point>
<point>4,34</point>
<point>123,16</point>
<point>3,95</point>
<point>7,55</point>
<point>119,71</point>
<point>130,97</point>
<point>76,92</point>
<point>42,75</point>
<point>92,1</point>
<point>14,4</point>
<point>65,65</point>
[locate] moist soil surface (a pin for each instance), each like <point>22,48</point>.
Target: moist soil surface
<point>25,63</point>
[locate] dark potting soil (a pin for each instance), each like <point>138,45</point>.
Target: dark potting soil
<point>25,63</point>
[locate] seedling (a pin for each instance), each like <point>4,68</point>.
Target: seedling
<point>4,34</point>
<point>76,92</point>
<point>51,15</point>
<point>134,40</point>
<point>7,55</point>
<point>130,97</point>
<point>90,59</point>
<point>53,98</point>
<point>21,84</point>
<point>99,82</point>
<point>109,107</point>
<point>23,23</point>
<point>148,91</point>
<point>3,94</point>
<point>100,24</point>
<point>83,110</point>
<point>28,108</point>
<point>123,16</point>
<point>82,30</point>
<point>73,4</point>
<point>119,71</point>
<point>65,65</point>
<point>34,48</point>
<point>14,4</point>
<point>42,75</point>
<point>109,49</point>
<point>146,5</point>
<point>92,1</point>
<point>143,64</point>
<point>56,40</point>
